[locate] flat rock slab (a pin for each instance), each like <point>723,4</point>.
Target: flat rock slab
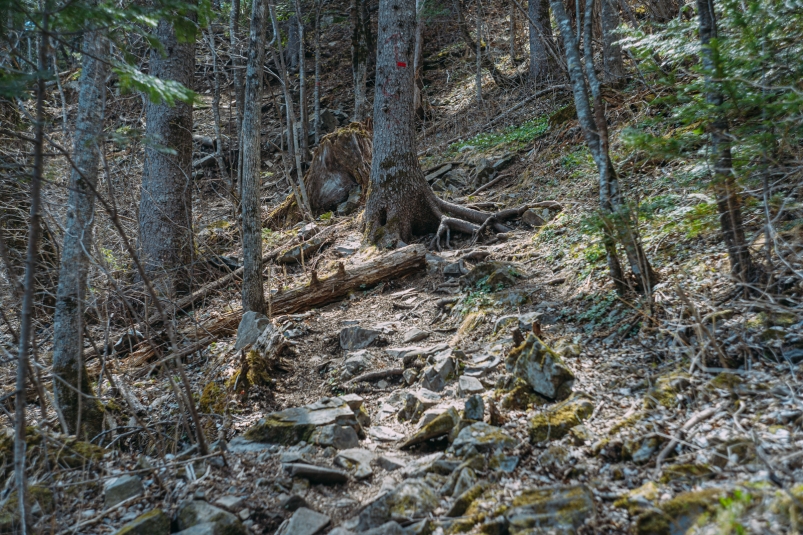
<point>205,528</point>
<point>293,425</point>
<point>412,499</point>
<point>384,434</point>
<point>552,509</point>
<point>121,488</point>
<point>443,424</point>
<point>251,326</point>
<point>414,335</point>
<point>305,522</point>
<point>154,522</point>
<point>317,474</point>
<point>356,337</point>
<point>470,385</point>
<point>193,512</point>
<point>358,459</point>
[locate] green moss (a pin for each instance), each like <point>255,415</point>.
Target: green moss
<point>276,431</point>
<point>726,381</point>
<point>9,513</point>
<point>665,391</point>
<point>154,522</point>
<point>678,514</point>
<point>675,472</point>
<point>639,499</point>
<point>627,422</point>
<point>554,423</point>
<point>521,397</point>
<point>213,399</point>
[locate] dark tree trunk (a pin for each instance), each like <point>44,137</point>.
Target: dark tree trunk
<point>292,43</point>
<point>724,181</point>
<point>317,89</point>
<point>513,32</point>
<point>361,46</point>
<point>663,10</point>
<point>253,294</point>
<point>165,206</point>
<point>541,67</point>
<point>82,414</point>
<point>302,88</point>
<point>499,77</point>
<point>400,202</point>
<point>613,67</point>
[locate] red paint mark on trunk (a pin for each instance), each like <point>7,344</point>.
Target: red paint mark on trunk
<point>401,64</point>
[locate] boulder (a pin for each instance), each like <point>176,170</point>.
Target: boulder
<point>415,403</point>
<point>484,438</point>
<point>204,528</point>
<point>120,489</point>
<point>293,425</point>
<point>412,499</point>
<point>355,364</point>
<point>491,276</point>
<point>541,368</point>
<point>555,422</point>
<point>355,337</point>
<point>154,522</point>
<point>230,503</point>
<point>304,522</point>
<point>414,335</point>
<point>193,512</point>
<point>384,434</point>
<point>678,515</point>
<point>340,437</point>
<point>550,510</point>
<point>532,219</point>
<point>251,326</point>
<point>390,463</point>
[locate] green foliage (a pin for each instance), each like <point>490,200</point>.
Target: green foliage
<point>649,208</point>
<point>700,219</point>
<point>157,90</point>
<point>757,69</point>
<point>515,136</point>
<point>599,308</point>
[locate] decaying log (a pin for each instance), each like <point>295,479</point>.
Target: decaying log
<point>321,292</point>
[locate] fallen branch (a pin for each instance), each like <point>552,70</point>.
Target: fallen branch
<point>375,376</point>
<point>696,419</point>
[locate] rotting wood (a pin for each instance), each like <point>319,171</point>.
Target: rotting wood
<point>374,376</point>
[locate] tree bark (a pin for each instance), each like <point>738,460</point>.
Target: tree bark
<point>541,68</point>
<point>83,415</point>
<point>302,87</point>
<point>292,43</point>
<point>418,54</point>
<point>165,208</point>
<point>613,66</point>
<point>513,31</point>
<point>400,202</point>
<point>317,90</point>
<point>361,45</point>
<point>724,181</point>
<point>499,77</point>
<point>236,62</point>
<point>253,296</point>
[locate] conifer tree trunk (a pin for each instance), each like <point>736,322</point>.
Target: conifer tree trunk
<point>165,207</point>
<point>513,31</point>
<point>613,67</point>
<point>236,62</point>
<point>400,202</point>
<point>253,296</point>
<point>83,415</point>
<point>316,97</point>
<point>724,181</point>
<point>302,88</point>
<point>541,68</point>
<point>292,43</point>
<point>361,45</point>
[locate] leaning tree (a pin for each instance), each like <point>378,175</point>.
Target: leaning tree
<point>400,203</point>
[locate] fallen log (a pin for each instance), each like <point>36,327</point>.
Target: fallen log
<point>317,292</point>
<point>321,292</point>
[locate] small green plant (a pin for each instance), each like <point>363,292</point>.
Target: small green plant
<point>515,136</point>
<point>730,510</point>
<point>701,219</point>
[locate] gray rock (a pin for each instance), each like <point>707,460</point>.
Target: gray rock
<point>482,172</point>
<point>541,368</point>
<point>356,459</point>
<point>356,337</point>
<point>456,269</point>
<point>341,437</point>
<point>475,407</point>
<point>551,509</point>
<point>251,326</point>
<point>431,414</point>
<point>411,499</point>
<point>483,437</point>
<point>504,161</point>
<point>465,480</point>
<point>501,462</point>
<point>410,375</point>
<point>390,463</point>
<point>191,513</point>
<point>443,424</point>
<point>439,172</point>
<point>305,522</point>
<point>292,502</point>
<point>431,379</point>
<point>329,122</point>
<point>205,528</point>
<point>384,434</point>
<point>243,445</point>
<point>316,474</point>
<point>421,466</point>
<point>232,503</point>
<point>341,531</point>
<point>354,401</point>
<point>470,385</point>
<point>416,403</point>
<point>414,335</point>
<point>389,528</point>
<point>293,425</point>
<point>532,219</point>
<point>154,522</point>
<point>399,352</point>
<point>121,488</point>
<point>355,363</point>
<point>444,364</point>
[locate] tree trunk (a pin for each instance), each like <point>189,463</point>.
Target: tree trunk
<point>165,207</point>
<point>418,53</point>
<point>499,77</point>
<point>360,54</point>
<point>292,43</point>
<point>253,297</point>
<point>541,68</point>
<point>724,181</point>
<point>302,88</point>
<point>513,31</point>
<point>478,52</point>
<point>400,202</point>
<point>83,415</point>
<point>614,69</point>
<point>236,62</point>
<point>317,90</point>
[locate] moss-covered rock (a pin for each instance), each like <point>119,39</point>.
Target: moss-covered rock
<point>193,512</point>
<point>484,438</point>
<point>686,472</point>
<point>62,449</point>
<point>676,516</point>
<point>639,500</point>
<point>213,399</point>
<point>665,391</point>
<point>442,425</point>
<point>491,276</point>
<point>154,522</point>
<point>521,397</point>
<point>552,509</point>
<point>293,425</point>
<point>542,368</point>
<point>411,499</point>
<point>554,423</point>
<point>10,515</point>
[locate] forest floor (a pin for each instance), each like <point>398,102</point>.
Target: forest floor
<point>683,414</point>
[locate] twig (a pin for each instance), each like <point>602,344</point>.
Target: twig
<point>696,419</point>
<point>375,376</point>
<point>106,512</point>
